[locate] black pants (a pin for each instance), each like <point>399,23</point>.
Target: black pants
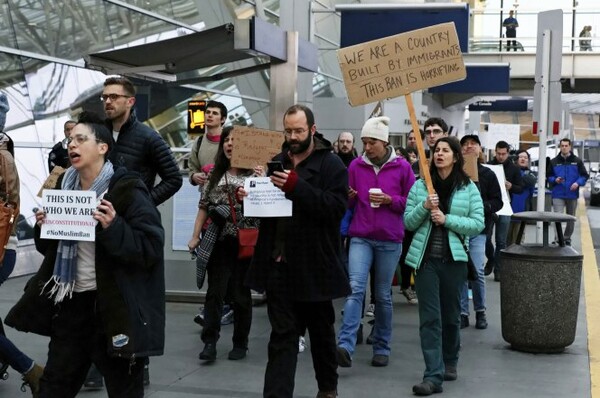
<point>288,319</point>
<point>405,270</point>
<point>76,341</point>
<point>226,276</point>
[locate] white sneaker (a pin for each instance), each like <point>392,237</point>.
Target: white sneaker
<point>370,310</point>
<point>301,344</point>
<point>411,295</point>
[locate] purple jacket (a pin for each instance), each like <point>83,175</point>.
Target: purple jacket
<point>384,223</point>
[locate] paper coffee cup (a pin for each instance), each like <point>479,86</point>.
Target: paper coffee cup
<point>375,190</point>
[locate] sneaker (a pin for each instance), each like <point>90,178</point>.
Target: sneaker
<point>380,360</point>
<point>370,310</point>
<point>568,242</point>
<point>480,320</point>
<point>227,317</point>
<point>411,295</point>
<point>343,357</point>
<point>427,387</point>
<point>301,344</point>
<point>464,321</point>
<point>450,374</point>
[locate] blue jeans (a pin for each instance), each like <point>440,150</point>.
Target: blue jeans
<point>384,257</point>
<point>477,250</point>
<point>8,265</point>
<point>8,352</point>
<point>13,356</point>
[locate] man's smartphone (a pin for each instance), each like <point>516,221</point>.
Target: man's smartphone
<point>274,166</point>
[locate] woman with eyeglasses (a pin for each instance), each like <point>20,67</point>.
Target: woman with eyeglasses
<point>100,301</point>
<point>440,220</point>
<point>218,248</point>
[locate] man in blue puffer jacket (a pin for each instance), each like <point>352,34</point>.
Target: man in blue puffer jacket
<point>567,174</point>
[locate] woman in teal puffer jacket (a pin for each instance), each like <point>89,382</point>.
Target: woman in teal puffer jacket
<point>437,254</point>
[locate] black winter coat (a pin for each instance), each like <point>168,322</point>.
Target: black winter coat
<point>141,149</point>
<point>129,274</point>
<point>314,270</point>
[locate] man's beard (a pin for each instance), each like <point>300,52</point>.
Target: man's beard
<point>299,147</point>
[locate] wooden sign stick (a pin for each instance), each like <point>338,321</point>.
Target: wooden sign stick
<point>424,165</point>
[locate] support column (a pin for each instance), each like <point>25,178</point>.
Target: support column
<point>284,77</point>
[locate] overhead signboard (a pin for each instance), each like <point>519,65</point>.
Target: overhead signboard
<point>400,64</point>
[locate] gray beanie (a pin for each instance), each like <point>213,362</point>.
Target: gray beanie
<point>3,110</point>
<point>377,127</point>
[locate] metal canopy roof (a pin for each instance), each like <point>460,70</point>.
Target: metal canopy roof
<point>170,59</point>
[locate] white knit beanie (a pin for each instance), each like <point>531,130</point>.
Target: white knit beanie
<point>377,127</point>
<point>3,110</point>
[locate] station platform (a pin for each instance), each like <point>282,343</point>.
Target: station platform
<point>488,367</point>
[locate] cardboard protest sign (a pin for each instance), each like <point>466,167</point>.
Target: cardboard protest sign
<point>254,147</point>
<point>52,179</point>
<point>470,167</point>
<point>400,64</point>
<point>69,215</point>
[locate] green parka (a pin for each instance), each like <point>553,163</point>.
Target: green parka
<point>465,218</point>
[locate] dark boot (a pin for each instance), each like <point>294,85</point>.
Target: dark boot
<point>480,320</point>
<point>327,394</point>
<point>32,379</point>
<point>209,353</point>
<point>464,321</point>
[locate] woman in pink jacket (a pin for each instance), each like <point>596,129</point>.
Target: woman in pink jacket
<point>379,184</point>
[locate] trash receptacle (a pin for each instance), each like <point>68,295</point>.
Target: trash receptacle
<point>539,291</point>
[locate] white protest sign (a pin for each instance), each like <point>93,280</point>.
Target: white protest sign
<point>69,215</point>
<point>510,133</point>
<point>265,199</point>
<point>506,209</point>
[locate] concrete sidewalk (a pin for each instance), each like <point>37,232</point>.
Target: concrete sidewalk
<point>488,367</point>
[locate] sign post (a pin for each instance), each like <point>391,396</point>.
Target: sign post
<point>400,64</point>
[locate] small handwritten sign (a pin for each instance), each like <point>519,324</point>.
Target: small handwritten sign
<point>69,215</point>
<point>401,64</point>
<point>254,147</point>
<point>52,179</point>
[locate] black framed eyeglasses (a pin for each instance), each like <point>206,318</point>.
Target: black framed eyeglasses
<point>79,140</point>
<point>112,97</point>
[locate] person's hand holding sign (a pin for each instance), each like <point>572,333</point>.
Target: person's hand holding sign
<point>105,213</point>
